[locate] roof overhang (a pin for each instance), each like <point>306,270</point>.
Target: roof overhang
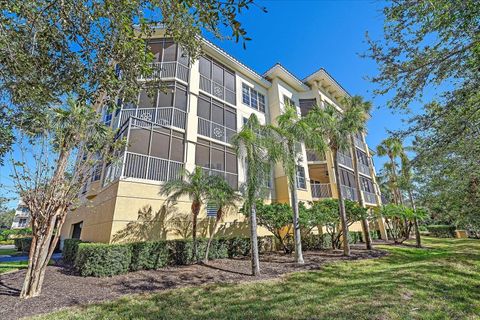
<point>327,83</point>
<point>278,71</point>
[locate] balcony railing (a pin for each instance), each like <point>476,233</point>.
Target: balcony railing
<point>214,130</point>
<point>151,168</point>
<point>321,190</point>
<point>165,70</point>
<point>359,143</point>
<point>349,193</point>
<point>345,160</point>
<point>370,197</point>
<point>231,178</point>
<point>363,168</point>
<point>217,90</point>
<point>169,116</point>
<point>315,156</point>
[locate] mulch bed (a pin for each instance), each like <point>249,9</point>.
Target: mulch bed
<point>62,288</point>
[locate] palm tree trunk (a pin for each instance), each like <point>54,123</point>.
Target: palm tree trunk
<point>217,220</point>
<point>195,211</point>
<point>418,240</point>
<point>343,215</point>
<point>365,227</point>
<point>254,240</point>
<point>296,225</point>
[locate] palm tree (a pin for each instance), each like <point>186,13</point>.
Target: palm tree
<point>291,130</point>
<point>351,102</point>
<point>406,182</point>
<point>225,198</point>
<point>333,128</point>
<point>252,144</point>
<point>194,185</point>
<point>393,148</point>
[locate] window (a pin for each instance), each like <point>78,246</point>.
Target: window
<point>217,112</point>
<point>288,101</point>
<point>218,158</point>
<point>362,157</point>
<point>253,98</point>
<point>148,98</point>
<point>301,177</point>
<point>367,185</point>
<point>306,105</point>
<point>157,142</point>
<point>22,223</point>
<point>347,178</point>
<point>217,80</point>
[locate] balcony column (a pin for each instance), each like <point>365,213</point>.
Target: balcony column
<point>191,126</point>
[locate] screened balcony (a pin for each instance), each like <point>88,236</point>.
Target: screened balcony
<point>370,197</point>
<point>314,156</point>
<point>345,159</point>
<point>167,71</point>
<point>349,193</point>
<point>363,168</point>
<point>152,153</point>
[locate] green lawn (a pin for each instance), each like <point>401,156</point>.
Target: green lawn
<point>8,252</point>
<point>442,282</point>
<point>11,266</point>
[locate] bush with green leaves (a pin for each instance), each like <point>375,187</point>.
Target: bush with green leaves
<point>103,260</point>
<point>23,244</point>
<point>70,248</point>
<point>276,218</point>
<point>100,260</point>
<point>441,231</point>
<point>399,220</point>
<point>10,234</point>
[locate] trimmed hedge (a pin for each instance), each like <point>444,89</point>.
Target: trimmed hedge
<point>100,260</point>
<point>354,237</point>
<point>442,231</point>
<point>23,244</point>
<point>375,234</point>
<point>312,242</point>
<point>70,248</point>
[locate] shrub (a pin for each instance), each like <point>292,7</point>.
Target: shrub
<point>238,246</point>
<point>23,244</point>
<point>354,237</point>
<point>442,231</point>
<point>375,234</point>
<point>70,248</point>
<point>316,242</point>
<point>149,255</point>
<point>100,260</point>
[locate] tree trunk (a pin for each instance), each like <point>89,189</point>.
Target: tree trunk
<point>365,227</point>
<point>296,225</point>
<point>195,211</point>
<point>254,240</point>
<point>217,220</point>
<point>341,204</point>
<point>418,239</point>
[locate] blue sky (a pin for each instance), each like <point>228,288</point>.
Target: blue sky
<point>306,35</point>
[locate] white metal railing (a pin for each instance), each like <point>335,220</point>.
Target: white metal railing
<point>217,90</point>
<point>231,178</point>
<point>169,116</point>
<point>313,155</point>
<point>112,172</point>
<point>345,160</point>
<point>363,168</point>
<point>359,143</point>
<point>214,130</point>
<point>349,193</point>
<point>162,70</point>
<point>321,190</point>
<point>151,168</point>
<point>370,197</point>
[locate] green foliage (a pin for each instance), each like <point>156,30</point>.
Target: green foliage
<point>100,260</point>
<point>276,218</point>
<point>316,242</point>
<point>103,260</point>
<point>23,244</point>
<point>13,233</point>
<point>149,255</point>
<point>70,249</point>
<point>399,220</point>
<point>442,231</point>
<point>6,217</point>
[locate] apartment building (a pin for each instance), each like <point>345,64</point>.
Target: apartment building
<point>22,216</point>
<point>189,122</point>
